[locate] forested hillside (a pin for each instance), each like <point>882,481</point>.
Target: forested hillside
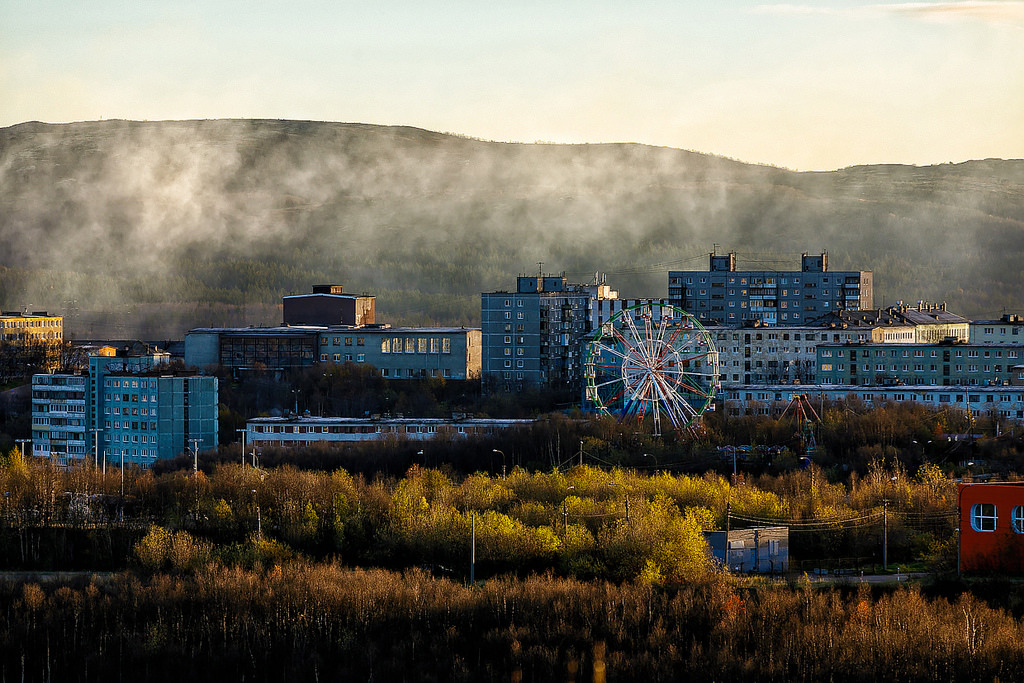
<point>149,228</point>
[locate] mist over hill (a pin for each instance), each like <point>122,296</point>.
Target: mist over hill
<point>170,225</point>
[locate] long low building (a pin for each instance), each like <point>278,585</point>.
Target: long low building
<point>397,352</point>
<point>307,430</point>
<point>773,399</point>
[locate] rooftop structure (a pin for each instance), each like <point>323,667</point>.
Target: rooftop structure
<point>328,305</point>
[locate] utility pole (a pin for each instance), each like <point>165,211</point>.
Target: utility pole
<point>581,452</point>
<point>195,454</point>
<point>243,446</point>
<point>96,444</point>
<point>472,554</point>
<point>885,534</point>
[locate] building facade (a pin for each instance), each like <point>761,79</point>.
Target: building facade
<point>249,348</point>
<point>60,417</point>
<point>1006,402</point>
<point>533,336</point>
<point>406,352</point>
<point>942,364</point>
<point>991,527</point>
<point>1008,329</point>
<point>132,406</point>
<point>757,550</point>
<point>30,339</point>
<point>151,416</point>
<point>307,431</point>
<point>723,295</point>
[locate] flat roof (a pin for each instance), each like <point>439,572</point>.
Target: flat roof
<point>333,296</point>
<point>283,329</point>
<point>310,419</point>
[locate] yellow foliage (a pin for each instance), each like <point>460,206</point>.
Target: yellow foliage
<point>753,502</point>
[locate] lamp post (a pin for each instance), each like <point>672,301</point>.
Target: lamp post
<point>243,431</point>
<point>495,450</point>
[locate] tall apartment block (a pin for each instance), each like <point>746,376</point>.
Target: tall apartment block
<point>135,408</point>
<point>723,295</point>
<point>531,337</point>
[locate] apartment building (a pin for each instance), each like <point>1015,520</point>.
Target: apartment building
<point>60,419</point>
<point>1007,329</point>
<point>723,295</point>
<point>533,336</point>
<point>943,364</point>
<point>134,406</point>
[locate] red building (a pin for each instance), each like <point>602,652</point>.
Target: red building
<point>992,527</point>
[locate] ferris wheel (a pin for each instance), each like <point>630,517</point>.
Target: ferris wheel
<point>652,359</point>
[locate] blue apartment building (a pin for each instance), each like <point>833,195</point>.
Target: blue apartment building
<point>723,295</point>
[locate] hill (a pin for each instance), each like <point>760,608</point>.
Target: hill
<point>168,225</point>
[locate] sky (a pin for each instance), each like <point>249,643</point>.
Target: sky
<point>814,85</point>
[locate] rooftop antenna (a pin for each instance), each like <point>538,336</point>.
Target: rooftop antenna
<point>540,269</point>
<point>715,248</point>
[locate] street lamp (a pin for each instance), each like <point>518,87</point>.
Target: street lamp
<point>655,458</point>
<point>495,450</point>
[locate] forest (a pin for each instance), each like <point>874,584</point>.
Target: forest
<point>224,217</point>
<point>590,561</point>
<point>582,572</point>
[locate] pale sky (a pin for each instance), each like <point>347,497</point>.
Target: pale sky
<point>813,85</point>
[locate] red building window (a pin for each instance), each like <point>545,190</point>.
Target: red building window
<point>983,517</point>
<point>1017,519</point>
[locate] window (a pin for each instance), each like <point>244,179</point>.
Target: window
<point>983,517</point>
